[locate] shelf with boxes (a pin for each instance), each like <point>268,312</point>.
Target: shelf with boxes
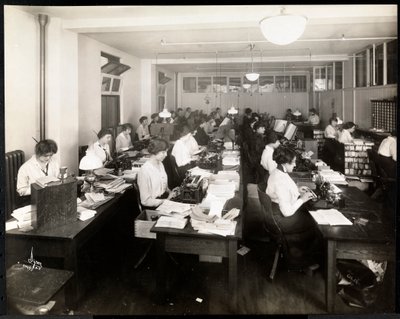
<point>356,161</point>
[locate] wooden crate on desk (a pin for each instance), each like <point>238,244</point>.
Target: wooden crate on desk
<point>143,224</point>
<point>54,205</point>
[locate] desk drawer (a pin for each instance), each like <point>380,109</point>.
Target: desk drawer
<point>197,246</point>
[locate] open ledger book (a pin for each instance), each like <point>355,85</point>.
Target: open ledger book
<point>330,217</point>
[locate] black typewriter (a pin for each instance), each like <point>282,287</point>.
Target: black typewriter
<point>140,145</point>
<point>192,190</point>
<point>208,161</point>
<point>216,146</point>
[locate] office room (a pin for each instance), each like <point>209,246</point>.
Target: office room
<point>200,160</point>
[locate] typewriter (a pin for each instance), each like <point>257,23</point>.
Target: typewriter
<point>192,190</point>
<point>208,161</point>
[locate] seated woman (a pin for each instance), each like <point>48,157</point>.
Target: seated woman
<point>39,165</point>
<point>143,129</point>
<point>388,154</point>
<point>154,120</point>
<point>272,143</point>
<point>183,151</point>
<point>152,179</point>
<point>313,117</point>
<point>123,140</point>
<point>201,135</point>
<point>295,222</point>
<point>101,148</point>
<point>345,134</point>
<point>331,131</point>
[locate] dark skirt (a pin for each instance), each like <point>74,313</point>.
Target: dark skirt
<point>303,241</point>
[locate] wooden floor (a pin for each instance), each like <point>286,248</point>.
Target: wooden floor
<point>116,288</point>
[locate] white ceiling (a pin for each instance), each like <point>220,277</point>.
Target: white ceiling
<point>139,30</point>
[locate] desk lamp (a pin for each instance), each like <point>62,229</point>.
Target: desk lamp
<point>89,163</point>
<point>165,114</point>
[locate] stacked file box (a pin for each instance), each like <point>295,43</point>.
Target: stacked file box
<point>356,160</point>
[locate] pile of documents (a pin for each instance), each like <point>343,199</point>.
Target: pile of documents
<point>330,217</point>
<point>103,171</point>
<point>333,177</point>
<point>211,224</point>
<point>201,172</point>
<point>230,160</point>
<point>174,209</point>
<point>84,214</point>
<point>46,180</point>
<point>117,185</point>
<point>227,177</point>
<point>22,218</point>
<point>171,222</point>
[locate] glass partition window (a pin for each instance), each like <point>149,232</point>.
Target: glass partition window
<point>204,84</point>
<point>282,83</point>
<point>299,83</point>
<point>235,84</point>
<point>338,75</point>
<point>391,51</point>
<point>266,83</point>
<point>220,84</point>
<point>361,69</point>
<point>329,77</point>
<point>319,79</point>
<point>189,85</point>
<point>379,64</point>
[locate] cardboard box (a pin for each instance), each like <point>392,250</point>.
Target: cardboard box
<point>143,224</point>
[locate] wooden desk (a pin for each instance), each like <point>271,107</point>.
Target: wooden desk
<point>373,241</point>
<point>189,241</point>
<point>62,242</point>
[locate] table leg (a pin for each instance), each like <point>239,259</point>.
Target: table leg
<point>72,288</point>
<point>161,268</point>
<point>233,273</point>
<point>331,276</point>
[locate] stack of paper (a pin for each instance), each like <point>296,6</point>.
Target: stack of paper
<point>85,214</point>
<point>117,185</point>
<point>230,153</point>
<point>333,177</point>
<point>198,214</point>
<point>23,217</point>
<point>103,171</point>
<point>171,208</point>
<point>225,190</point>
<point>219,227</point>
<point>46,180</point>
<point>209,199</point>
<point>201,172</point>
<point>227,177</point>
<point>171,222</point>
<point>330,217</point>
<point>94,197</point>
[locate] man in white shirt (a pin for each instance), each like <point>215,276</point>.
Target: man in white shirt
<point>143,129</point>
<point>267,161</point>
<point>123,140</point>
<point>39,165</point>
<point>331,130</point>
<point>388,154</point>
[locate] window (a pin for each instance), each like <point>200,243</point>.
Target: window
<point>266,83</point>
<point>391,51</point>
<point>204,84</point>
<point>189,85</point>
<point>361,69</point>
<point>379,64</point>
<point>338,75</point>
<point>299,83</point>
<point>329,77</point>
<point>371,66</point>
<point>282,83</point>
<point>220,84</point>
<point>235,84</point>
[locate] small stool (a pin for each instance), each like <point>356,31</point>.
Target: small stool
<point>32,289</point>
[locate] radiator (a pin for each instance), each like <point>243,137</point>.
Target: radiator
<point>13,162</point>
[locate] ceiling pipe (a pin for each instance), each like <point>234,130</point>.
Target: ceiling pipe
<point>43,19</point>
<point>343,38</point>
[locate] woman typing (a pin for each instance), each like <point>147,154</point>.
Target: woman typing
<point>101,148</point>
<point>39,165</point>
<point>152,179</point>
<point>296,223</point>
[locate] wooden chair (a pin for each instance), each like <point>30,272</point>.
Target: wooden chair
<point>378,172</point>
<point>271,227</point>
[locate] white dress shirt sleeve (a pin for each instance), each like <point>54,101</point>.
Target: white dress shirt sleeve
<point>144,180</point>
<point>181,153</point>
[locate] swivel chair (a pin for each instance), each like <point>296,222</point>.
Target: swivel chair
<point>272,227</point>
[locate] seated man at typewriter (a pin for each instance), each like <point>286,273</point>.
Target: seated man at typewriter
<point>152,179</point>
<point>184,150</point>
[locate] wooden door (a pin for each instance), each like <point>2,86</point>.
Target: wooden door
<point>110,111</point>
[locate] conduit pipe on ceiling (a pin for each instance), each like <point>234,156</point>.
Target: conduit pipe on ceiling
<point>43,19</point>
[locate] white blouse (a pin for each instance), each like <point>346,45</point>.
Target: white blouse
<point>284,191</point>
<point>153,182</point>
<point>388,147</point>
<point>266,159</point>
<point>330,132</point>
<point>345,137</point>
<point>142,131</point>
<point>192,144</point>
<point>30,171</point>
<point>102,152</point>
<point>122,141</point>
<point>181,152</point>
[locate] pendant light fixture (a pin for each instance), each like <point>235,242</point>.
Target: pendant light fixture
<point>252,76</point>
<point>284,28</point>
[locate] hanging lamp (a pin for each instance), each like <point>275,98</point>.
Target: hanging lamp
<point>252,76</point>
